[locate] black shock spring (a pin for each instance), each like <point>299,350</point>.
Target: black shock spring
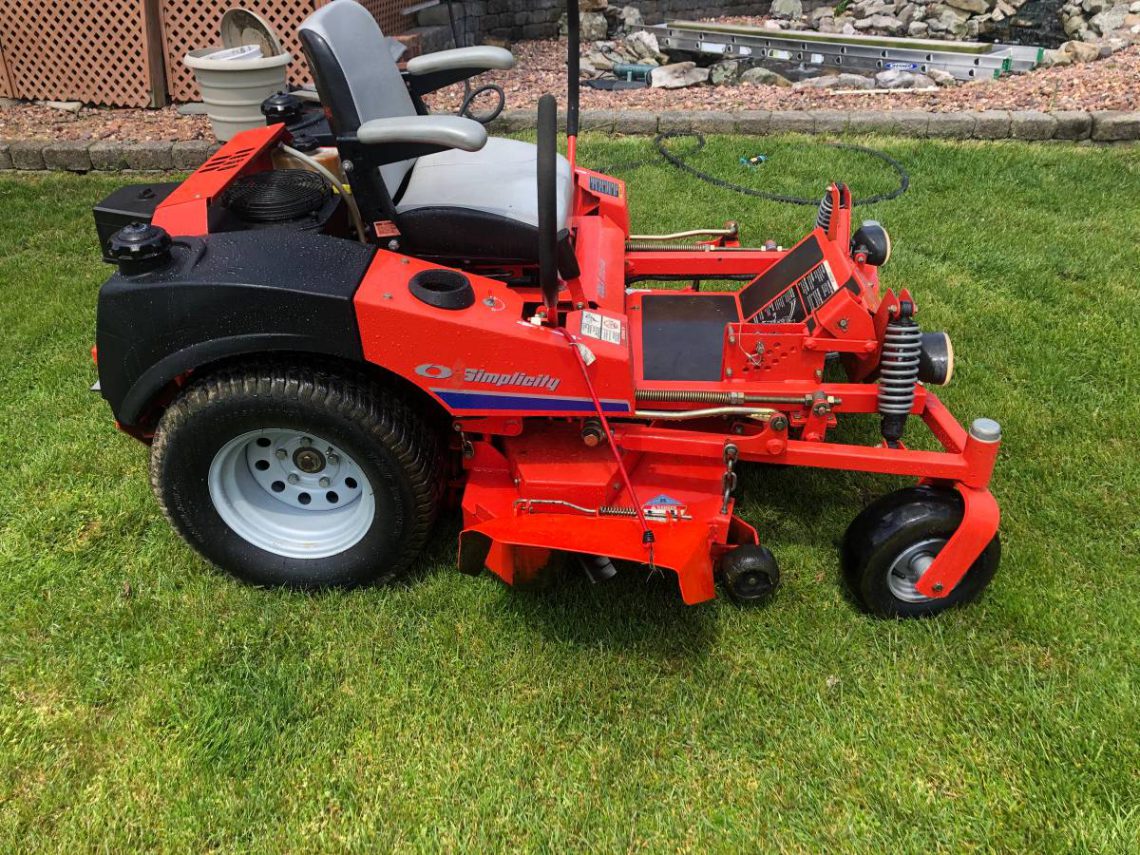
<point>823,218</point>
<point>898,373</point>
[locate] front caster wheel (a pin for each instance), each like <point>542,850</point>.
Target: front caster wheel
<point>297,476</point>
<point>893,541</point>
<point>749,574</point>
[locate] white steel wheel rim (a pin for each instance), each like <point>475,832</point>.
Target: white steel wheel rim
<point>291,493</point>
<point>909,567</point>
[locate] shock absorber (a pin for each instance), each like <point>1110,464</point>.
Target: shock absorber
<point>823,216</point>
<point>898,372</point>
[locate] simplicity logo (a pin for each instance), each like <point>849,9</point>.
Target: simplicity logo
<point>518,378</point>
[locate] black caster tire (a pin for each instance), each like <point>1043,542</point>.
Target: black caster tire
<point>749,574</point>
<point>295,476</point>
<point>890,543</point>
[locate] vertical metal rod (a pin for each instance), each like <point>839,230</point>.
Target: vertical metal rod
<point>572,67</point>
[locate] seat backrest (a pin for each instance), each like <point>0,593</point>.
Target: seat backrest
<point>356,76</point>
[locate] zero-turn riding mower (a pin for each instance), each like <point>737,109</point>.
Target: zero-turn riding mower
<point>321,358</point>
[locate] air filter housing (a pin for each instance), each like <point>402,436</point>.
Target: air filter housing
<point>278,196</point>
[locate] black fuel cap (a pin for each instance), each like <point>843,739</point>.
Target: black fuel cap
<point>139,248</point>
<point>281,109</point>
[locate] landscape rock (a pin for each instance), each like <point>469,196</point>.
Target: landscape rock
<point>1080,51</point>
<point>1114,125</point>
<point>830,121</point>
<point>62,106</point>
<point>895,78</point>
<point>630,17</point>
<point>991,125</point>
<point>1050,58</point>
<point>761,76</point>
<point>1031,125</point>
<point>974,7</point>
<point>5,156</point>
<point>786,9</point>
<point>643,46</point>
<point>1108,20</point>
<point>955,126</point>
<point>677,75</point>
<point>190,154</point>
<point>791,121</point>
<point>1072,125</point>
<point>835,81</point>
<point>107,156</point>
<point>940,77</point>
<point>753,121</point>
<point>68,155</point>
<point>888,24</point>
<point>153,156</point>
<point>724,72</point>
<point>592,26</point>
<point>27,154</point>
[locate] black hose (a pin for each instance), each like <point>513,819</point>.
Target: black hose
<point>469,94</point>
<point>680,163</point>
<point>573,41</point>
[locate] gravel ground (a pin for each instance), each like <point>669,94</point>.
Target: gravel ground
<point>1109,84</point>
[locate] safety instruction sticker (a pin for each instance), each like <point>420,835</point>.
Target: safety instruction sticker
<point>595,325</point>
<point>805,296</point>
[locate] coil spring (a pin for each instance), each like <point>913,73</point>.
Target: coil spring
<point>823,218</point>
<point>898,368</point>
<point>655,246</point>
<point>616,511</point>
<point>687,397</point>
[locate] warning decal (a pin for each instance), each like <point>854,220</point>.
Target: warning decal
<point>595,325</point>
<point>805,295</point>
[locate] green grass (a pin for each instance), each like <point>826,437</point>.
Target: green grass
<point>148,702</point>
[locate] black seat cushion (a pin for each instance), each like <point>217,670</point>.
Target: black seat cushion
<point>466,233</point>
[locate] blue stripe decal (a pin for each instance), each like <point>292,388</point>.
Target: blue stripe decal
<point>535,403</point>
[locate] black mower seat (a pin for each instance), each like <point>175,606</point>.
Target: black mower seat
<point>477,198</point>
<point>682,335</point>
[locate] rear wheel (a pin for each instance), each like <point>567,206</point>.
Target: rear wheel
<point>891,544</point>
<point>297,476</point>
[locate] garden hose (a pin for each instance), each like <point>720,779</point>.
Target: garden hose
<point>679,162</point>
<point>469,93</point>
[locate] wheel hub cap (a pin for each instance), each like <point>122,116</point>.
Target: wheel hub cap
<point>908,568</point>
<point>293,494</point>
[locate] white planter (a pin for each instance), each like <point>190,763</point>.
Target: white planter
<point>233,90</point>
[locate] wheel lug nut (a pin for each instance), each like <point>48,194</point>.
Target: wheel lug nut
<point>334,459</point>
<point>281,453</point>
<point>306,441</point>
<point>294,478</point>
<point>324,482</point>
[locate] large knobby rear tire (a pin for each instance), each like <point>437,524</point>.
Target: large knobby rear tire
<point>297,475</point>
<point>891,543</point>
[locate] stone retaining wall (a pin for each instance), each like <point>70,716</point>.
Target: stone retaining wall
<point>1107,126</point>
<point>538,19</point>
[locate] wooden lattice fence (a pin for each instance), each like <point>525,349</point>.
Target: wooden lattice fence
<point>191,24</point>
<point>97,51</point>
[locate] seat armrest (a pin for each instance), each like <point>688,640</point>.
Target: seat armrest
<point>433,71</point>
<point>436,132</point>
<point>482,58</point>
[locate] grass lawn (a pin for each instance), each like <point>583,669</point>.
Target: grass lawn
<point>148,702</point>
